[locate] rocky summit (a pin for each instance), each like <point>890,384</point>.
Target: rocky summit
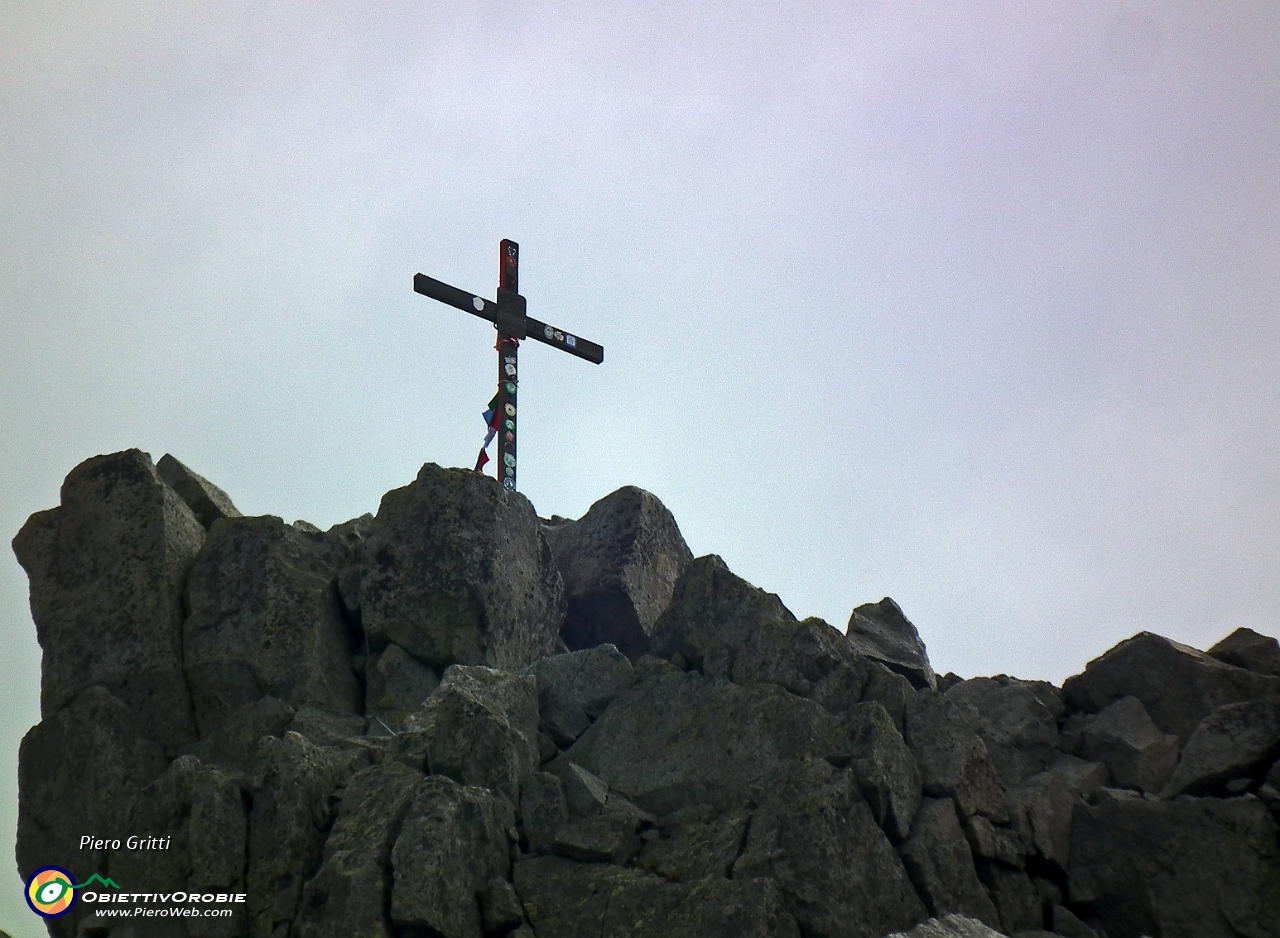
<point>455,719</point>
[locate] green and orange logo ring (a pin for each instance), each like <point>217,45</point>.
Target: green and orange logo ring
<point>50,893</point>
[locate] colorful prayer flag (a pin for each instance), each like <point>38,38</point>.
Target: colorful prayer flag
<point>491,420</point>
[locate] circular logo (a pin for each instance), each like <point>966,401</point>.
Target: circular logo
<point>510,484</point>
<point>50,893</point>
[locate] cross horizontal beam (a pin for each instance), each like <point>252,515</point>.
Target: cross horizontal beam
<point>487,309</point>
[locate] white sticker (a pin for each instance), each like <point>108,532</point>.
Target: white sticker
<point>547,332</point>
<point>570,341</point>
<point>477,303</point>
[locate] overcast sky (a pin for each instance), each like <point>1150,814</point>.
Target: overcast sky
<point>970,304</point>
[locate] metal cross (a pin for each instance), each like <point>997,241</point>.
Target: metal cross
<point>513,324</point>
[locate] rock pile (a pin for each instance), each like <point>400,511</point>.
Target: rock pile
<point>457,720</point>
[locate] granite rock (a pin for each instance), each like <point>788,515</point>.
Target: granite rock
<point>396,685</point>
<point>949,926</point>
<point>1044,805</point>
<point>265,621</point>
<point>456,570</point>
<point>1178,685</point>
<point>881,631</point>
<point>940,863</point>
<point>454,840</point>
<point>348,896</point>
<point>696,842</point>
<point>676,739</point>
<point>711,616</point>
<point>1234,741</point>
<point>480,727</point>
<point>1247,649</point>
<point>619,563</point>
<point>1018,720</point>
<point>883,765</point>
<point>809,658</point>
<point>751,782</point>
<point>106,569</point>
<point>543,810</point>
<point>573,689</point>
<point>202,811</point>
<point>293,801</point>
<point>206,501</point>
<point>839,876</point>
<point>1135,751</point>
<point>80,771</point>
<point>1199,867</point>
<point>953,759</point>
<point>1013,895</point>
<point>596,900</point>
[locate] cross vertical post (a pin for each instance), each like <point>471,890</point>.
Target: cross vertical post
<point>508,367</point>
<point>513,323</point>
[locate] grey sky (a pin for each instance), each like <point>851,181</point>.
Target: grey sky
<point>969,304</point>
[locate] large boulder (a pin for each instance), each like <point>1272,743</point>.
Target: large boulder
<point>711,616</point>
<point>1043,805</point>
<point>265,621</point>
<point>454,840</point>
<point>1235,741</point>
<point>292,813</point>
<point>602,824</point>
<point>695,843</point>
<point>79,774</point>
<point>456,571</point>
<point>349,895</point>
<point>889,689</point>
<point>1246,649</point>
<point>940,863</point>
<point>596,900</point>
<point>1125,738</point>
<point>1187,868</point>
<point>1178,685</point>
<point>107,569</point>
<point>883,765</point>
<point>675,740</point>
<point>953,759</point>
<point>1014,896</point>
<point>206,501</point>
<point>881,631</point>
<point>1018,720</point>
<point>396,685</point>
<point>201,810</point>
<point>480,727</point>
<point>809,658</point>
<point>619,564</point>
<point>234,744</point>
<point>814,835</point>
<point>574,689</point>
<point>544,809</point>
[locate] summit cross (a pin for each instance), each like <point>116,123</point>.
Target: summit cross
<point>513,324</point>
